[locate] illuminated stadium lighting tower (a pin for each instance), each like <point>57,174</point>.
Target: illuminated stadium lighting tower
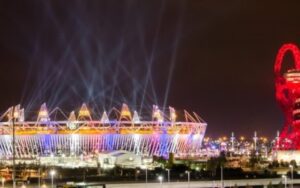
<point>160,135</point>
<point>157,114</point>
<point>43,115</point>
<point>104,118</point>
<point>287,87</point>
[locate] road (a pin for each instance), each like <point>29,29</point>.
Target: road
<point>200,184</point>
<point>193,184</point>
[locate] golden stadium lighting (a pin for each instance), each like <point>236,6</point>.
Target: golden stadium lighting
<point>173,115</point>
<point>17,112</point>
<point>72,116</point>
<point>125,112</point>
<point>84,112</point>
<point>157,115</point>
<point>9,113</point>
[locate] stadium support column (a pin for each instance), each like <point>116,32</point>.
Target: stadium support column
<point>39,171</point>
<point>13,149</point>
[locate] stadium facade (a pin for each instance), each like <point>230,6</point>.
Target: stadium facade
<point>77,135</point>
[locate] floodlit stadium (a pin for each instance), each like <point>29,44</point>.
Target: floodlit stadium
<point>117,130</point>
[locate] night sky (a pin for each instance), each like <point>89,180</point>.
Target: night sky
<point>212,57</point>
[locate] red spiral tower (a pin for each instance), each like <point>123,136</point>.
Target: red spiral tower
<point>287,87</point>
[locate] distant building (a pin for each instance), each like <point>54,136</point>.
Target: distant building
<point>287,155</point>
<point>119,158</point>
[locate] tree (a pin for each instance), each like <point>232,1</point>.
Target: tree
<point>161,160</point>
<point>170,160</point>
<point>212,165</point>
<point>280,185</point>
<point>222,159</point>
<point>270,185</point>
<point>293,163</point>
<point>254,160</point>
<point>215,163</point>
<point>275,164</point>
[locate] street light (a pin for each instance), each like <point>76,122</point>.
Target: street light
<point>168,170</point>
<point>137,172</point>
<point>52,173</point>
<point>13,148</point>
<point>3,181</point>
<point>188,173</point>
<point>146,172</point>
<point>39,170</point>
<point>222,179</point>
<point>292,175</point>
<point>285,180</point>
<point>160,179</point>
